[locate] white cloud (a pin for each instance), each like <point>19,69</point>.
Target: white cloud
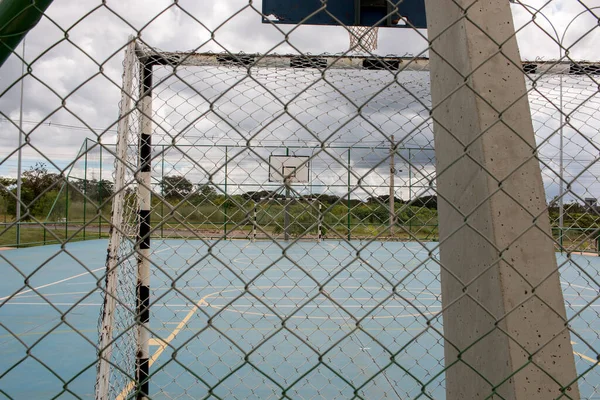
<point>76,56</point>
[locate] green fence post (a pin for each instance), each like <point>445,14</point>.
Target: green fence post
<point>225,202</point>
<point>348,201</point>
<point>162,193</point>
<point>67,209</point>
<point>409,189</point>
<point>18,232</point>
<point>99,211</point>
<point>85,161</point>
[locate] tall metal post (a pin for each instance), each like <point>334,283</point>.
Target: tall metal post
<point>561,209</point>
<point>409,176</point>
<point>162,192</point>
<point>85,166</point>
<point>254,224</point>
<point>20,155</point>
<point>67,208</point>
<point>409,188</point>
<point>286,205</point>
<point>348,200</point>
<point>392,189</point>
<point>319,225</point>
<point>144,179</point>
<point>100,188</point>
<point>225,202</point>
<point>286,211</point>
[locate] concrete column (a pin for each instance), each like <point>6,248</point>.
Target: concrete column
<point>504,313</point>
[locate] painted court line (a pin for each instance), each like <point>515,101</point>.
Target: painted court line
<point>164,343</point>
<point>51,295</point>
<point>591,360</point>
<point>52,283</point>
<point>581,287</point>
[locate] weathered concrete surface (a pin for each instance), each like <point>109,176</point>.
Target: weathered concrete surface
<point>504,318</point>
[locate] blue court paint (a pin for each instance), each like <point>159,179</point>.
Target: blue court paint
<point>269,313</point>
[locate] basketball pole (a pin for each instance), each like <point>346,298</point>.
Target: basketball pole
<point>286,210</point>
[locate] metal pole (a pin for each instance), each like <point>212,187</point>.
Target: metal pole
<point>409,176</point>
<point>20,156</point>
<point>225,202</point>
<point>348,200</point>
<point>67,209</point>
<point>320,221</point>
<point>162,193</point>
<point>100,183</point>
<point>409,188</point>
<point>254,225</point>
<point>561,166</point>
<point>85,160</point>
<point>144,177</point>
<point>392,189</point>
<point>286,211</point>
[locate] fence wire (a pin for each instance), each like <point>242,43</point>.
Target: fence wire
<point>294,202</point>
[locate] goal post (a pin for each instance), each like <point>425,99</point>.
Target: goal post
<point>183,120</point>
<point>123,339</point>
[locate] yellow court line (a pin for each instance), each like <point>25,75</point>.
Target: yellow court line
<point>155,342</point>
<point>163,343</point>
<point>586,357</point>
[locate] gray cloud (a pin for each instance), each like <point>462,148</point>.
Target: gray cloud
<point>76,56</point>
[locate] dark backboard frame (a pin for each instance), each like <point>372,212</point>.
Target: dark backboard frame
<point>346,12</point>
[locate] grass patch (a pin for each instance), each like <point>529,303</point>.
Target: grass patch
<point>50,234</point>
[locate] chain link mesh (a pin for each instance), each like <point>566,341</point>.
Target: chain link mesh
<point>262,287</point>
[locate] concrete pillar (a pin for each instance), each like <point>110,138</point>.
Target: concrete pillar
<point>504,313</point>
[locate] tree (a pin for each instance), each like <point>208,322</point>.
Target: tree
<point>36,184</point>
<point>425,201</point>
<point>258,196</point>
<point>38,180</point>
<point>6,187</point>
<point>206,192</point>
<point>176,186</point>
<point>105,189</point>
<point>92,189</point>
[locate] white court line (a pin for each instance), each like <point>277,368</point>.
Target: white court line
<point>221,306</point>
<point>406,289</point>
<point>168,305</point>
<point>52,283</point>
<point>52,294</point>
<point>52,304</point>
<point>580,287</point>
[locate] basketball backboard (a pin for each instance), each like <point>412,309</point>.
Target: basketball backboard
<point>294,168</point>
<point>346,12</point>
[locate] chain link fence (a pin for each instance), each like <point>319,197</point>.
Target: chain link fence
<point>268,214</point>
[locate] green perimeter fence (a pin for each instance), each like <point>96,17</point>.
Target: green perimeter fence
<point>78,206</point>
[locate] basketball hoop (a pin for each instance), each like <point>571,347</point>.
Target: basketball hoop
<point>363,38</point>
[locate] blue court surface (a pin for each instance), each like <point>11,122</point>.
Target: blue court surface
<point>252,321</point>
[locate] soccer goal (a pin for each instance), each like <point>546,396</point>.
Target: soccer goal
<point>214,147</point>
<point>206,139</point>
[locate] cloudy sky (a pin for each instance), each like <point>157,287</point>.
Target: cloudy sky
<point>72,93</point>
